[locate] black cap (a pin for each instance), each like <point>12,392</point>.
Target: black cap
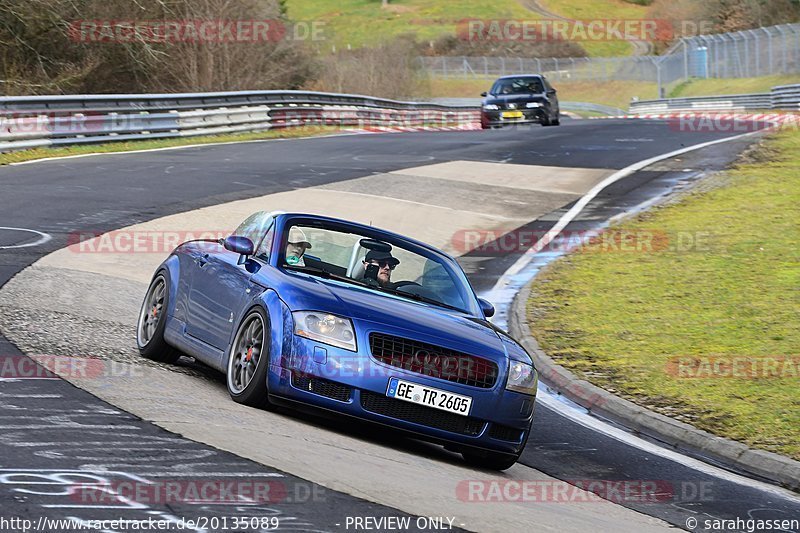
<point>378,255</point>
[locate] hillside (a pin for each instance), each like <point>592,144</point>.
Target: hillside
<point>358,23</point>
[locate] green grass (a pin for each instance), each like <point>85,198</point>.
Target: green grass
<point>617,319</point>
<point>128,146</point>
<point>762,84</point>
<point>364,22</point>
<point>599,9</point>
<point>360,23</point>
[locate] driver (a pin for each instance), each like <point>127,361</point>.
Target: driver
<point>384,262</point>
<point>296,246</point>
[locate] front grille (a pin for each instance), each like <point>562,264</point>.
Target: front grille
<point>501,432</point>
<point>433,361</point>
<point>320,386</point>
<point>419,414</point>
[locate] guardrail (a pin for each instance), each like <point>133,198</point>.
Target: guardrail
<point>786,97</point>
<point>37,121</point>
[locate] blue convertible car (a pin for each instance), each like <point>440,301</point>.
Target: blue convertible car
<point>306,310</point>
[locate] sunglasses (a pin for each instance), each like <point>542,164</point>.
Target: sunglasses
<point>383,263</point>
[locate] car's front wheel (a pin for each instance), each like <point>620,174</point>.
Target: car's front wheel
<point>248,360</point>
<point>153,320</point>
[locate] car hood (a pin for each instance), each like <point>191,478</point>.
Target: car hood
<point>515,99</point>
<point>391,314</point>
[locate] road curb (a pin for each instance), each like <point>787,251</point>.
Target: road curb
<point>681,436</point>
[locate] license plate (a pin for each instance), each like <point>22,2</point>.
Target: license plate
<point>512,114</point>
<point>428,396</point>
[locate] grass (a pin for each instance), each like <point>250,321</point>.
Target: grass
<point>364,22</point>
<point>599,10</point>
<point>128,146</point>
<point>595,9</point>
<point>762,84</point>
<point>618,319</point>
<point>358,23</point>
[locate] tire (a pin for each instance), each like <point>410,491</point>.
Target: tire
<point>248,360</point>
<point>546,121</point>
<point>556,121</point>
<point>152,322</point>
<point>490,460</point>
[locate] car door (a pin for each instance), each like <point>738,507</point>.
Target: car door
<point>220,288</point>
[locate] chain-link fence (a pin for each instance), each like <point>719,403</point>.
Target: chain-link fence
<point>744,54</point>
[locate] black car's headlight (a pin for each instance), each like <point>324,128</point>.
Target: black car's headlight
<point>491,107</point>
<point>532,105</point>
<point>522,378</point>
<point>326,328</point>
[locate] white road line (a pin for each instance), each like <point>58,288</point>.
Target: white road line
<point>577,414</point>
<point>43,238</point>
<point>621,435</point>
<point>570,215</point>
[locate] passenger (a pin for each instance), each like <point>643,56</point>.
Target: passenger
<point>296,246</point>
<point>384,262</point>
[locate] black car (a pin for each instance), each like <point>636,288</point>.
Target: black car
<point>520,99</point>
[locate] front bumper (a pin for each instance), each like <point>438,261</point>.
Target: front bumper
<point>504,117</point>
<point>355,384</point>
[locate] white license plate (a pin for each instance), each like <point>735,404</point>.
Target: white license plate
<point>428,396</point>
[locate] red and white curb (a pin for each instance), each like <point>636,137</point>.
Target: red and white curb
<point>780,118</point>
<point>407,129</point>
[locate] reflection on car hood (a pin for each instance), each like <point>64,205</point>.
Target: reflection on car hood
<point>372,309</point>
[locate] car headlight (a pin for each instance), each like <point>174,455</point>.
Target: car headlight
<point>326,328</point>
<point>533,104</point>
<point>491,107</point>
<point>522,378</point>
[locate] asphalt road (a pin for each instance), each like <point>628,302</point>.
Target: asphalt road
<point>107,192</point>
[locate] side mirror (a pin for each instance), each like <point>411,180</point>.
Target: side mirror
<point>486,307</point>
<point>551,91</point>
<point>240,245</point>
<point>484,93</point>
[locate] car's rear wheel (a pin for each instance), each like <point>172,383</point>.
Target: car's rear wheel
<point>490,460</point>
<point>153,320</point>
<point>248,361</point>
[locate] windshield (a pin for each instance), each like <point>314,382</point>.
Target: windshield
<point>521,85</point>
<point>381,265</point>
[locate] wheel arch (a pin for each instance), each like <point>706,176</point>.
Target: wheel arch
<point>171,266</point>
<point>280,327</point>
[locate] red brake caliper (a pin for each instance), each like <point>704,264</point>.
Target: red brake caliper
<point>249,354</point>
